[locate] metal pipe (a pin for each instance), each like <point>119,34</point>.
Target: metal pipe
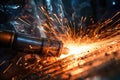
<point>27,44</point>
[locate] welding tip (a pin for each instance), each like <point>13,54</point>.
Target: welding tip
<point>65,50</point>
<point>28,44</point>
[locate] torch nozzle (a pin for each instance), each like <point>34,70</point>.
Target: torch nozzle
<point>42,46</point>
<point>65,50</point>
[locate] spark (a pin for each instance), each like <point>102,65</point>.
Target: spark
<point>80,41</point>
<point>2,63</point>
<point>78,49</point>
<point>18,60</point>
<point>75,49</point>
<point>7,68</point>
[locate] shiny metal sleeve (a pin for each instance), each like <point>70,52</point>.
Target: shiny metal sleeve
<point>28,44</point>
<point>43,46</point>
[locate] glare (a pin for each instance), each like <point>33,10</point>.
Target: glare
<point>113,3</point>
<point>75,49</point>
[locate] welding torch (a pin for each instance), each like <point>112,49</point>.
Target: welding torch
<point>27,44</point>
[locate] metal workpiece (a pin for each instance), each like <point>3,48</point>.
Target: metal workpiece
<point>27,44</point>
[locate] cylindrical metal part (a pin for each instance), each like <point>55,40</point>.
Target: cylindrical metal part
<point>43,46</point>
<point>6,38</point>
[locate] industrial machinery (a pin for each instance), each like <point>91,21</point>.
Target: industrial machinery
<point>44,47</point>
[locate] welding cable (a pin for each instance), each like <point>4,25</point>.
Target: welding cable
<point>27,44</point>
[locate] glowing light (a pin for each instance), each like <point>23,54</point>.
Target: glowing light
<point>75,49</point>
<point>113,3</point>
<point>78,41</point>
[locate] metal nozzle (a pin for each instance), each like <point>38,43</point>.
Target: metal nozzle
<point>64,50</point>
<point>28,44</point>
<point>52,47</point>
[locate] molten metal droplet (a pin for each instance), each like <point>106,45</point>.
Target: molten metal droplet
<point>65,50</point>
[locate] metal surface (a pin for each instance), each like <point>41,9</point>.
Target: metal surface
<point>42,46</point>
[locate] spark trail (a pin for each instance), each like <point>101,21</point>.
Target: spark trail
<point>83,41</point>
